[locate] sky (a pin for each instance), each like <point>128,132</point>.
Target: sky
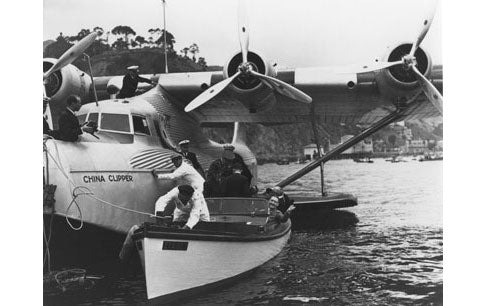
<point>311,33</point>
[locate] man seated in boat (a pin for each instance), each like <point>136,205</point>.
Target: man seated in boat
<point>275,215</point>
<point>236,185</point>
<point>185,205</point>
<point>221,169</point>
<point>184,174</point>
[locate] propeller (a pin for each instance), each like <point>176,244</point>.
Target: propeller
<point>408,62</point>
<point>72,53</point>
<point>246,70</point>
<point>210,93</point>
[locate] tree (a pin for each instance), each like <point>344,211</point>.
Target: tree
<point>57,48</point>
<point>140,40</point>
<point>120,44</point>
<point>194,49</point>
<point>170,41</point>
<point>202,62</point>
<point>123,32</point>
<point>157,37</point>
<point>184,51</point>
<point>82,34</point>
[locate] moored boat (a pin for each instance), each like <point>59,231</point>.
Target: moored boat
<point>430,157</point>
<point>363,160</point>
<point>179,262</point>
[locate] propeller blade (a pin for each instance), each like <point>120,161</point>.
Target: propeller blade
<point>211,92</point>
<point>430,91</point>
<point>69,56</point>
<point>243,31</point>
<point>367,68</point>
<point>283,88</point>
<point>426,26</point>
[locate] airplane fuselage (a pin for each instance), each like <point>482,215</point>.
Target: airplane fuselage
<point>135,136</point>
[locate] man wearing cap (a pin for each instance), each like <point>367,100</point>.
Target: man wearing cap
<point>184,174</point>
<point>184,145</point>
<point>222,168</point>
<point>185,204</point>
<point>131,81</point>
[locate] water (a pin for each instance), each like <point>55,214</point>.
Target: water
<point>394,256</point>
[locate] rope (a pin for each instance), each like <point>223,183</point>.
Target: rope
<point>86,191</point>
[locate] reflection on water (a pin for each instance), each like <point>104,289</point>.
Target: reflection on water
<point>393,256</point>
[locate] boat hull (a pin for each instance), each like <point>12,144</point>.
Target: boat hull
<point>179,267</point>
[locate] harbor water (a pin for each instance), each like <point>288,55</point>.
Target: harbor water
<point>393,256</point>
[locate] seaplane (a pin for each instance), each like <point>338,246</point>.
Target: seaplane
<point>99,187</point>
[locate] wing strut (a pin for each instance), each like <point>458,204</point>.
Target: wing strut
<point>317,141</point>
<point>392,117</point>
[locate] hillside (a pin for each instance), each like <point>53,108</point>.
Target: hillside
<point>149,60</point>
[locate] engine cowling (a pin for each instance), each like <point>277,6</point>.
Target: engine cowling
<point>397,81</point>
<point>62,83</point>
<point>244,84</point>
<point>249,90</point>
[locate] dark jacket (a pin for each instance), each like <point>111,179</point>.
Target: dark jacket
<point>194,161</point>
<point>130,84</point>
<point>69,128</point>
<point>245,172</point>
<point>236,185</point>
<point>47,130</point>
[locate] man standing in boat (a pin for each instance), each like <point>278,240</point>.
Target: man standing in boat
<point>184,174</point>
<point>185,204</point>
<point>184,145</point>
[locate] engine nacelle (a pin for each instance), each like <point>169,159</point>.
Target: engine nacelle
<point>397,81</point>
<point>249,90</point>
<point>243,84</point>
<point>67,81</point>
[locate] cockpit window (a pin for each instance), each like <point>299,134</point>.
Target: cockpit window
<point>140,125</point>
<point>81,118</point>
<point>115,122</point>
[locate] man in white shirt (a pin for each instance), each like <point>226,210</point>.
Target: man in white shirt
<point>189,206</point>
<point>184,174</point>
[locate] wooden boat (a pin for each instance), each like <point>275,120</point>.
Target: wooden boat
<point>178,263</point>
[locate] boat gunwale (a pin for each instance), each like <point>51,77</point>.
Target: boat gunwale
<point>150,230</point>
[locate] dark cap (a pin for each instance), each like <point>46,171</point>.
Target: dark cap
<point>228,146</point>
<point>186,189</point>
<point>176,156</point>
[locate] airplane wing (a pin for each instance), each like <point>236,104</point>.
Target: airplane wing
<point>336,99</point>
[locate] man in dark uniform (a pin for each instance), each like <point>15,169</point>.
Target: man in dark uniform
<point>222,168</point>
<point>69,127</point>
<point>131,81</point>
<point>236,185</point>
<point>184,145</point>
